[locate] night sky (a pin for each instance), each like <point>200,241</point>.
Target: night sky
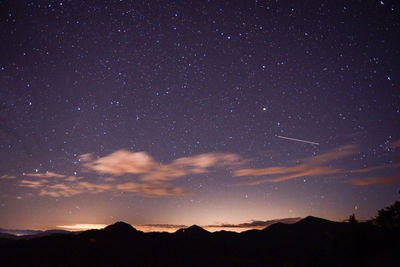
<point>171,113</point>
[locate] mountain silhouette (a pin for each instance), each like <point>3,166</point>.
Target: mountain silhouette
<point>311,220</point>
<point>193,230</point>
<point>119,227</point>
<point>32,234</point>
<point>309,242</point>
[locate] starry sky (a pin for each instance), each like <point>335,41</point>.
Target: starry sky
<point>216,113</point>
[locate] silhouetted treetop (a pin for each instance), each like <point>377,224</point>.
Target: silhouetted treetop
<point>352,219</point>
<point>389,217</point>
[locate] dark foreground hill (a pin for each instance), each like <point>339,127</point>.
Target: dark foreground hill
<point>309,242</point>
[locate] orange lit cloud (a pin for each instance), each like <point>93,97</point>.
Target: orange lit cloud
<point>151,178</point>
<point>120,162</point>
<point>370,169</point>
<point>82,187</point>
<point>123,162</point>
<point>270,170</point>
<point>61,190</point>
<point>332,155</point>
<point>395,144</point>
<point>311,171</point>
<point>73,178</point>
<point>151,189</point>
<point>138,173</point>
<point>200,163</point>
<point>309,167</point>
<point>164,172</point>
<point>46,175</point>
<point>69,190</point>
<point>33,184</point>
<point>376,180</point>
<point>7,176</point>
<point>153,175</point>
<point>49,175</point>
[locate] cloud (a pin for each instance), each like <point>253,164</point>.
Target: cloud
<point>109,179</point>
<point>33,184</point>
<point>7,176</point>
<point>370,169</point>
<point>151,177</point>
<point>332,155</point>
<point>151,189</point>
<point>69,190</point>
<point>377,180</point>
<point>164,173</point>
<point>61,190</point>
<point>46,175</point>
<point>123,162</point>
<point>309,171</point>
<point>394,144</point>
<point>308,167</point>
<point>95,188</point>
<point>46,188</point>
<point>120,162</point>
<point>269,171</point>
<point>200,163</point>
<point>73,178</point>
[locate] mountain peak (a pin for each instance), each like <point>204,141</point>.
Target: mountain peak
<point>194,229</point>
<point>312,219</point>
<point>120,227</point>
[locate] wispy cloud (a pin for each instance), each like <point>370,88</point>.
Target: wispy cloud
<point>308,167</point>
<point>123,162</point>
<point>128,172</point>
<point>62,190</point>
<point>7,176</point>
<point>46,175</point>
<point>380,178</point>
<point>33,184</point>
<point>394,144</point>
<point>46,188</point>
<point>377,180</point>
<point>309,171</point>
<point>138,173</point>
<point>374,168</point>
<point>120,162</point>
<point>151,189</point>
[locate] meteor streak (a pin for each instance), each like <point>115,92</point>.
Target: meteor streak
<point>297,140</point>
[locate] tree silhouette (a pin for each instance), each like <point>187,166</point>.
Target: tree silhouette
<point>352,219</point>
<point>389,217</point>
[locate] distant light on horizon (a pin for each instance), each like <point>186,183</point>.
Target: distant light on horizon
<point>82,227</point>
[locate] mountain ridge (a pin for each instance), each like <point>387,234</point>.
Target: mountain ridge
<point>311,241</point>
